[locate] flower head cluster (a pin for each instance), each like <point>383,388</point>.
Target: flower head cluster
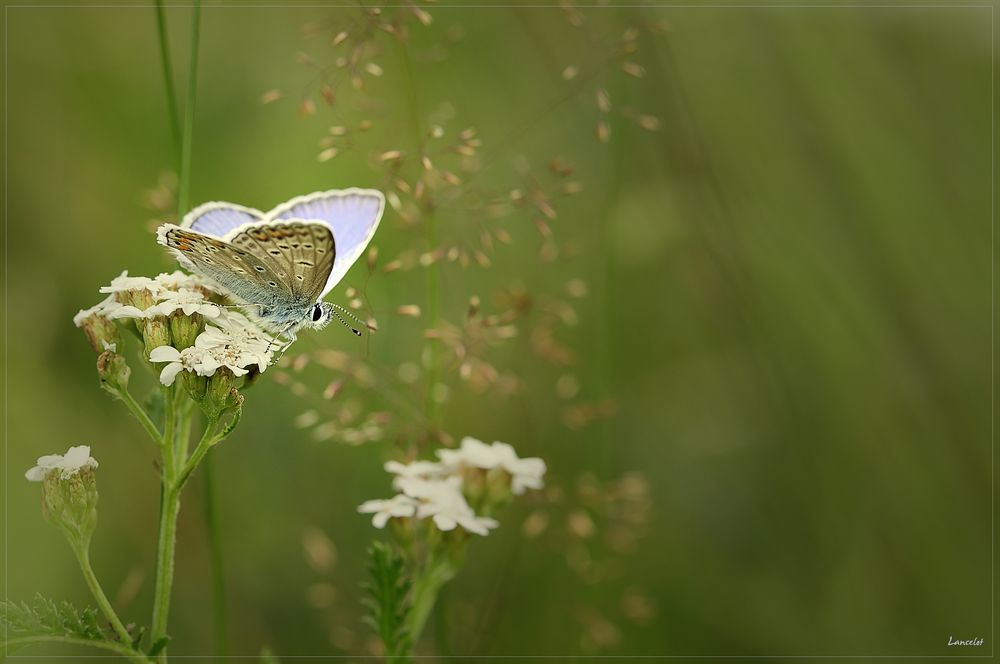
<point>232,342</point>
<point>182,324</point>
<point>142,297</point>
<point>484,474</point>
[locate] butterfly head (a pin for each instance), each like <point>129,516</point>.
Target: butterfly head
<point>319,315</point>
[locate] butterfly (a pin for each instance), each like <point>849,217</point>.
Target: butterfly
<point>279,264</point>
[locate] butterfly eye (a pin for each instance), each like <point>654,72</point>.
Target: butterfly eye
<point>317,313</point>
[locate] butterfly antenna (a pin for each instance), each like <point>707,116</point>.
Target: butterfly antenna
<point>349,313</point>
<point>350,327</point>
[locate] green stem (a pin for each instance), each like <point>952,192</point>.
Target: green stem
<point>208,438</point>
<point>426,588</point>
<point>140,415</point>
<point>184,428</point>
<point>167,531</point>
<point>168,74</point>
<point>69,640</point>
<point>83,556</point>
<point>215,552</point>
<point>169,427</point>
<point>167,538</point>
<point>184,176</point>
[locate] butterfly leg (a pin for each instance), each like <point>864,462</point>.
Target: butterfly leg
<point>289,334</point>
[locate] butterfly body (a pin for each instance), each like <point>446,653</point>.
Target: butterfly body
<point>278,264</point>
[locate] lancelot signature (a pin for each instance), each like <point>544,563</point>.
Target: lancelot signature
<point>968,642</point>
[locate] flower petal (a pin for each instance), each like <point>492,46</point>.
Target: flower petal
<point>36,474</point>
<point>170,372</point>
<point>164,354</point>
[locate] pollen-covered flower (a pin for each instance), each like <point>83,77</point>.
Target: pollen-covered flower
<point>398,506</point>
<point>196,360</point>
<point>69,464</point>
<point>525,473</point>
<point>234,340</point>
<point>212,349</point>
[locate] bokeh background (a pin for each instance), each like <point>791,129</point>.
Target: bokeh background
<point>754,349</point>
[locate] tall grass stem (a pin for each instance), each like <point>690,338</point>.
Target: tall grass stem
<point>168,78</point>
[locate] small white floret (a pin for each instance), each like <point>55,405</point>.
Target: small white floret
<point>67,465</point>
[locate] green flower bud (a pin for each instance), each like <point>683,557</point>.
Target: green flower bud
<point>155,332</point>
<point>139,298</point>
<point>195,385</point>
<point>222,394</point>
<point>184,329</point>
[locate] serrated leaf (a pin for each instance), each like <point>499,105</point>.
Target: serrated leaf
<point>43,617</point>
<point>387,599</point>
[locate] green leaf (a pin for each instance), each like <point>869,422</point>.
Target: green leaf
<point>387,599</point>
<point>43,617</point>
<point>46,618</point>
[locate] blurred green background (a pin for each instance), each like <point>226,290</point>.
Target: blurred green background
<point>788,312</point>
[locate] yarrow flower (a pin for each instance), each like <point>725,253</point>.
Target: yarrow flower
<point>397,506</point>
<point>167,293</point>
<point>236,344</point>
<point>442,500</point>
<point>441,491</point>
<point>186,300</point>
<point>67,465</point>
<point>123,283</point>
<point>103,308</point>
<point>234,330</point>
<point>524,473</point>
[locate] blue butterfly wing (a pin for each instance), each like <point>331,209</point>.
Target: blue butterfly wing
<point>352,214</point>
<point>218,219</point>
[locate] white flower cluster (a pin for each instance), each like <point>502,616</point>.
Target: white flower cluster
<point>229,339</point>
<point>434,489</point>
<point>232,341</point>
<point>67,465</point>
<point>170,292</point>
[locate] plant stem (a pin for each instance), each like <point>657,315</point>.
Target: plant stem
<point>168,75</point>
<point>426,587</point>
<point>215,552</point>
<point>167,530</point>
<point>208,438</point>
<point>83,556</point>
<point>184,176</point>
<point>169,427</point>
<point>123,650</point>
<point>140,415</point>
<point>166,540</point>
<point>176,427</point>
